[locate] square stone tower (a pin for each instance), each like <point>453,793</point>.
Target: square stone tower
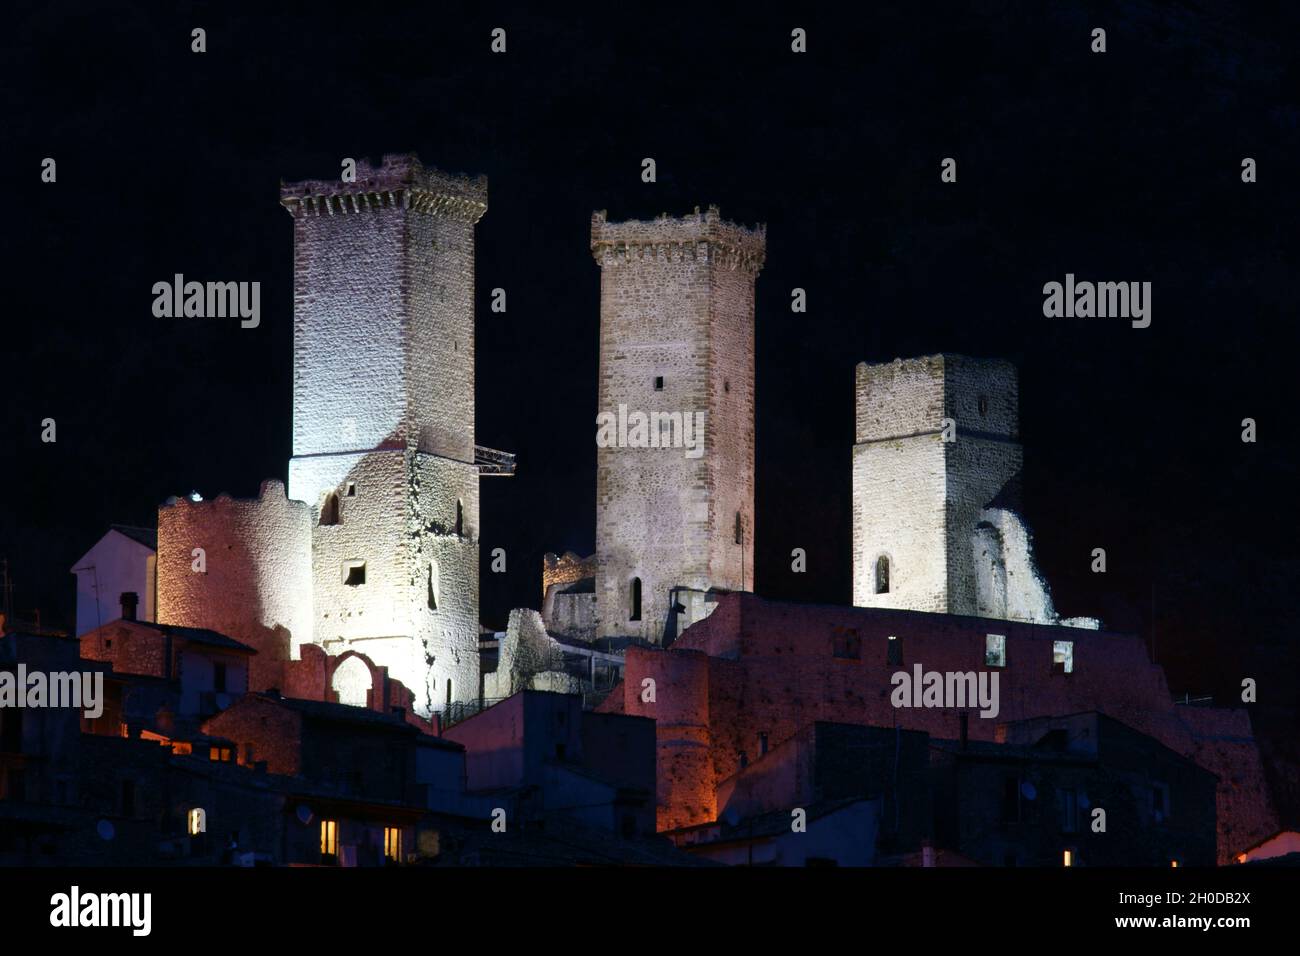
<point>383,418</point>
<point>918,499</point>
<point>676,354</point>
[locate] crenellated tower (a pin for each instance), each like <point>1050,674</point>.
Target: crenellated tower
<point>676,347</point>
<point>383,418</point>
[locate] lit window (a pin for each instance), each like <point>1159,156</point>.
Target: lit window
<point>1063,656</point>
<point>329,837</point>
<point>995,650</point>
<point>1173,864</point>
<point>1068,858</point>
<point>354,573</point>
<point>197,821</point>
<point>393,844</point>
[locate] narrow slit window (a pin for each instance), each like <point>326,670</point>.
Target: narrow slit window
<point>635,600</point>
<point>329,510</point>
<point>882,575</point>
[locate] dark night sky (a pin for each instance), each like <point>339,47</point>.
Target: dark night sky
<point>1122,166</point>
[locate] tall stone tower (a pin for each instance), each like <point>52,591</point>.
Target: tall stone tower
<point>676,354</point>
<point>383,418</point>
<point>922,506</point>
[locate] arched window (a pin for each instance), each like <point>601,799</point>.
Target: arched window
<point>882,575</point>
<point>635,600</point>
<point>329,511</point>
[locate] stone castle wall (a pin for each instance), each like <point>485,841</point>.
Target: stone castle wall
<point>257,584</point>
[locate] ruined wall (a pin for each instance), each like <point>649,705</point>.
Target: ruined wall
<point>677,305</point>
<point>924,503</point>
<point>256,586</point>
<point>384,418</point>
<point>780,673</point>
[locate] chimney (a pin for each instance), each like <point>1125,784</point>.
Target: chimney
<point>963,728</point>
<point>130,601</point>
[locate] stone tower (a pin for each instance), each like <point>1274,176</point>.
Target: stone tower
<point>925,509</point>
<point>674,513</point>
<point>383,418</point>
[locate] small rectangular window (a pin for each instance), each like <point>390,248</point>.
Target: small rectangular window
<point>393,844</point>
<point>995,650</point>
<point>354,573</point>
<point>846,644</point>
<point>329,837</point>
<point>1063,656</point>
<point>895,651</point>
<point>659,383</point>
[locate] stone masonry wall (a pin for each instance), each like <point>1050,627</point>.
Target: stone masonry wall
<point>676,304</point>
<point>384,417</point>
<point>257,584</point>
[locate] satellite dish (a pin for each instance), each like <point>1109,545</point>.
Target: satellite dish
<point>1028,790</point>
<point>105,829</point>
<point>304,814</point>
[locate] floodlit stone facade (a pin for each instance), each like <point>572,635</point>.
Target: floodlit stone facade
<point>676,337</point>
<point>936,469</point>
<point>383,418</point>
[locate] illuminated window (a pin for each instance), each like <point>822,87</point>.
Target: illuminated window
<point>1067,858</point>
<point>882,575</point>
<point>219,754</point>
<point>635,600</point>
<point>1174,864</point>
<point>197,821</point>
<point>1063,656</point>
<point>995,650</point>
<point>354,573</point>
<point>329,510</point>
<point>894,655</point>
<point>329,837</point>
<point>393,844</point>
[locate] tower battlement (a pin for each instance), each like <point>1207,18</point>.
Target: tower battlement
<point>703,236</point>
<point>401,181</point>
